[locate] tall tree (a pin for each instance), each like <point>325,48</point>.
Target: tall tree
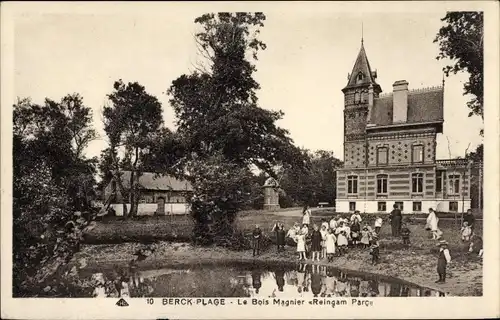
<point>133,122</point>
<point>461,41</point>
<point>51,179</point>
<point>217,107</point>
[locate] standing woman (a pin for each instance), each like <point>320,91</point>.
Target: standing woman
<point>432,223</point>
<point>396,218</point>
<point>306,216</point>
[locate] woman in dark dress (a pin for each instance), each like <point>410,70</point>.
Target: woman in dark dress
<point>316,239</point>
<point>396,218</point>
<point>355,232</point>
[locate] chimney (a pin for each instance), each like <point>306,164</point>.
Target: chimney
<point>400,101</point>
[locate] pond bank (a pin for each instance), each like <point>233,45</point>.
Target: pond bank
<point>417,266</point>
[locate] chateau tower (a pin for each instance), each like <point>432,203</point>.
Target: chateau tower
<point>359,94</point>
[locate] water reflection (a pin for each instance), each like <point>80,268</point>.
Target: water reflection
<point>303,281</point>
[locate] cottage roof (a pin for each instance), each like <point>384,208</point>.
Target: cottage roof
<point>424,105</point>
<point>362,66</point>
<point>150,181</point>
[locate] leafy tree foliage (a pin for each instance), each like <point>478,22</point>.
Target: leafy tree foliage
<point>218,114</point>
<point>317,183</point>
<point>133,123</point>
<point>51,180</point>
<point>461,41</point>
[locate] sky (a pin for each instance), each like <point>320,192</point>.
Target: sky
<point>302,71</point>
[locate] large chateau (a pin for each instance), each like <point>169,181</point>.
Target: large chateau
<point>390,149</point>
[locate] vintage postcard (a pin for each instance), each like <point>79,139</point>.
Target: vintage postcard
<point>226,160</point>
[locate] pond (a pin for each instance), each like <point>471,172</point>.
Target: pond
<point>250,280</point>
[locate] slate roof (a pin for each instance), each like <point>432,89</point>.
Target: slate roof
<point>361,65</point>
<point>148,180</point>
<point>424,105</point>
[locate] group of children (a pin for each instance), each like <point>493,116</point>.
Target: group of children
<point>331,238</point>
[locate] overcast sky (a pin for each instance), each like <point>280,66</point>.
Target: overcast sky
<point>302,72</point>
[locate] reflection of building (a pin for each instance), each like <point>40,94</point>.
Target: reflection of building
<point>271,194</point>
<point>158,194</point>
<point>390,149</point>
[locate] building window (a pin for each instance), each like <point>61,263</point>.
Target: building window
<point>417,206</point>
<point>382,156</point>
<point>418,154</point>
<point>439,181</point>
<point>352,206</point>
<point>352,184</point>
<point>360,77</point>
<point>417,182</point>
<point>382,184</point>
<point>382,207</point>
<point>453,206</point>
<point>454,184</point>
<point>357,97</point>
<point>399,205</point>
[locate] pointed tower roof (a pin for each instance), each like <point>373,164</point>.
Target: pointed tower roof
<point>362,74</point>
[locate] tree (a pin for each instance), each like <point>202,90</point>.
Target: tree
<point>132,122</point>
<point>51,180</point>
<point>461,41</point>
<point>313,183</point>
<point>217,107</point>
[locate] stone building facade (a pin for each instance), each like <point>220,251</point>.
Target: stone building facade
<point>390,149</point>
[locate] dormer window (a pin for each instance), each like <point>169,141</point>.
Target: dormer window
<point>360,77</point>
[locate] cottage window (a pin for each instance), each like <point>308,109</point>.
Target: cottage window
<point>382,156</point>
<point>352,184</point>
<point>381,206</point>
<point>454,184</point>
<point>352,206</point>
<point>360,77</point>
<point>417,206</point>
<point>382,184</point>
<point>417,182</point>
<point>418,154</point>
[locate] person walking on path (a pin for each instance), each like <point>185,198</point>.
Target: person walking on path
<point>443,259</point>
<point>396,218</point>
<point>306,216</point>
<point>257,235</point>
<point>432,224</point>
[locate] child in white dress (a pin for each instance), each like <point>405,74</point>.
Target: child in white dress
<point>342,239</point>
<point>301,246</point>
<point>330,245</point>
<point>324,233</point>
<point>466,231</point>
<point>365,236</point>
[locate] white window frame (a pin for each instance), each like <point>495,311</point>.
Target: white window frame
<point>418,175</point>
<point>352,179</point>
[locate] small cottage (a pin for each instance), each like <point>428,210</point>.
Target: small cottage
<point>158,194</point>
